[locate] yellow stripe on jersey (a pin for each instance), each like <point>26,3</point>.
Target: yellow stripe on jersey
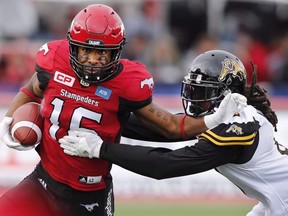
<point>232,134</point>
<point>228,141</point>
<point>225,138</point>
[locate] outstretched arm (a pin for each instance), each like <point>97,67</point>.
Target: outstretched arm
<point>161,163</point>
<point>136,129</point>
<point>182,127</point>
<point>169,125</point>
<point>158,163</point>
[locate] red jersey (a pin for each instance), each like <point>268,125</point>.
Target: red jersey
<point>103,108</point>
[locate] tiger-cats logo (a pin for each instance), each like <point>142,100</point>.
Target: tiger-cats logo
<point>235,129</point>
<point>230,66</point>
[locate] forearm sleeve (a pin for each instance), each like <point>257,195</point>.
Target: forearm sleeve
<point>133,158</point>
<point>160,163</point>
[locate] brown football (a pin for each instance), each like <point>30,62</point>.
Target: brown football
<point>27,124</point>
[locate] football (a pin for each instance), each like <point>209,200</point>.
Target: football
<point>27,125</point>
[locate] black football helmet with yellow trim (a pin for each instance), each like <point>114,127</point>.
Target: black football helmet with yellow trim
<point>210,75</point>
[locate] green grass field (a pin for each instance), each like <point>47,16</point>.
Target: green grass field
<point>136,209</point>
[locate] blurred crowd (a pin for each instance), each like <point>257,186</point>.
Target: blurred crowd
<point>164,35</point>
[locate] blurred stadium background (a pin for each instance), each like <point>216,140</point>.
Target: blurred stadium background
<point>165,35</point>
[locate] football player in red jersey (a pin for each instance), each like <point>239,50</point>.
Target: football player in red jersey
<point>83,84</point>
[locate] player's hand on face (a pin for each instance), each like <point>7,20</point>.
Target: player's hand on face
<point>82,144</point>
<point>6,137</point>
<point>231,104</point>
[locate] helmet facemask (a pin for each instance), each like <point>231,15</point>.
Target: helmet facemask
<point>200,95</point>
<point>94,74</point>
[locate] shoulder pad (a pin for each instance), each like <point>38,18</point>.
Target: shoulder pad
<point>137,82</point>
<point>232,134</point>
<point>52,53</point>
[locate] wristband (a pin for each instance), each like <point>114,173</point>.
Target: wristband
<point>182,127</point>
<point>30,94</point>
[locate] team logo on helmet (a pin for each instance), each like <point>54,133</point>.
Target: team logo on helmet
<point>229,66</point>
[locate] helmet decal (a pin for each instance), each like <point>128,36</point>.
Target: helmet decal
<point>94,42</point>
<point>230,66</point>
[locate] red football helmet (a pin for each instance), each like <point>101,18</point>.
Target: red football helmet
<point>98,27</point>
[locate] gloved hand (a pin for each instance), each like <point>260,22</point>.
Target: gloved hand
<point>82,144</point>
<point>231,104</point>
<point>6,137</point>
